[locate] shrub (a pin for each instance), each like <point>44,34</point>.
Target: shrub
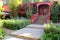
<point>15,24</point>
<point>1,9</point>
<point>2,33</point>
<point>13,7</point>
<point>51,32</point>
<point>55,11</point>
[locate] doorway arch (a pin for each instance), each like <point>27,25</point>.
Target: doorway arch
<point>43,6</point>
<point>43,9</point>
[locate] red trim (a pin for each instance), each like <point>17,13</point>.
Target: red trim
<point>33,18</point>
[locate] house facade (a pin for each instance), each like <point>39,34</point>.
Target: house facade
<point>6,2</point>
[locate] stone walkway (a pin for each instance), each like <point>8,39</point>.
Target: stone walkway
<point>32,31</point>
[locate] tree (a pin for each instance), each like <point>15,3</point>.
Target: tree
<point>13,7</point>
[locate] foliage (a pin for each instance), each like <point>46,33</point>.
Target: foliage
<point>51,32</point>
<point>29,13</point>
<point>2,33</point>
<point>13,7</point>
<point>0,22</point>
<point>1,9</point>
<point>51,27</point>
<point>55,8</point>
<point>15,24</point>
<point>55,11</point>
<point>50,36</point>
<point>1,14</point>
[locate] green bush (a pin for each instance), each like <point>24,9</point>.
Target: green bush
<point>15,24</point>
<point>55,11</point>
<point>51,32</point>
<point>1,9</point>
<point>50,36</point>
<point>2,33</point>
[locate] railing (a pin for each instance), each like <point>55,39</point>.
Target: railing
<point>33,18</point>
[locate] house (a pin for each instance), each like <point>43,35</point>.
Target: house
<point>43,7</point>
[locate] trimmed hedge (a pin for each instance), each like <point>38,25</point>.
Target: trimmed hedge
<point>15,24</point>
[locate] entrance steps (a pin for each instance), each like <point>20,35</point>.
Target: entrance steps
<point>40,19</point>
<point>28,33</point>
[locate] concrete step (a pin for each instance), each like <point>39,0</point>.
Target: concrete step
<point>28,33</point>
<point>35,26</point>
<point>12,38</point>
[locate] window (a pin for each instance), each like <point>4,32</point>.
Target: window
<point>45,0</point>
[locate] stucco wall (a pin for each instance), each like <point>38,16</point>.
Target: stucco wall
<point>1,3</point>
<point>27,1</point>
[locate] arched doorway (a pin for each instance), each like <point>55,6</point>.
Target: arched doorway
<point>43,9</point>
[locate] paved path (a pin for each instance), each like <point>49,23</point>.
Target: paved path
<point>31,32</point>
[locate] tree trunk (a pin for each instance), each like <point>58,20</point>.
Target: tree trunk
<point>14,14</point>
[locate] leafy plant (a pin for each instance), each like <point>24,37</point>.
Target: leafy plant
<point>15,24</point>
<point>55,11</point>
<point>1,9</point>
<point>51,32</point>
<point>2,33</point>
<point>50,36</point>
<point>13,7</point>
<point>29,13</point>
